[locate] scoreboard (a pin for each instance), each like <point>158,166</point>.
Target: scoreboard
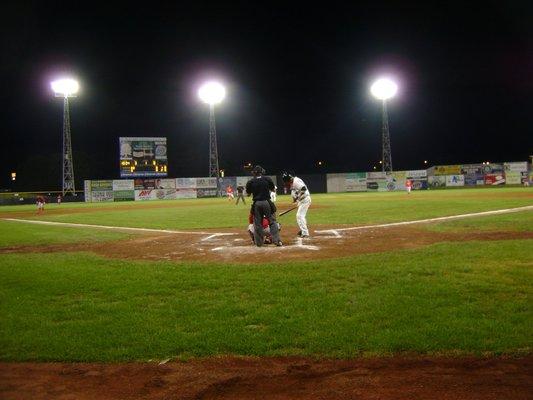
<point>143,156</point>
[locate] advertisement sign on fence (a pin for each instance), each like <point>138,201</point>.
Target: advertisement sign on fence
<point>336,183</point>
<point>377,185</point>
<point>123,184</point>
<point>455,180</point>
<point>513,178</point>
<point>447,169</point>
<point>165,183</point>
<point>187,193</point>
<point>155,194</point>
<point>437,181</point>
<point>419,184</point>
<point>206,193</point>
<point>140,184</point>
<point>102,185</point>
<point>376,175</point>
<point>396,180</point>
<point>493,169</point>
<point>515,166</point>
<point>416,174</point>
<point>186,183</point>
<point>87,190</point>
<point>355,182</point>
<point>123,195</point>
<point>102,195</point>
<point>474,179</point>
<point>206,183</point>
<point>494,179</point>
<point>471,169</point>
<point>243,180</point>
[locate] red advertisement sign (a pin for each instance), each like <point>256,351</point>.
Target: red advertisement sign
<point>494,179</point>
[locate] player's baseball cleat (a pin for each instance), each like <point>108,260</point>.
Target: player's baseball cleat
<point>279,244</point>
<point>305,236</point>
<point>299,234</point>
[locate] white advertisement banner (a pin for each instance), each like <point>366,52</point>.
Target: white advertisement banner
<point>437,181</point>
<point>98,196</point>
<point>242,180</point>
<point>87,190</point>
<point>155,194</point>
<point>206,183</point>
<point>336,183</point>
<point>419,173</point>
<point>515,166</point>
<point>123,184</point>
<point>513,178</point>
<point>186,194</point>
<point>186,183</point>
<point>455,180</point>
<point>165,184</point>
<point>376,175</point>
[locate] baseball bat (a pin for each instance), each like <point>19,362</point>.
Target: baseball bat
<point>287,211</point>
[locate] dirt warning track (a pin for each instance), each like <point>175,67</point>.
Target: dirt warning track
<point>280,378</point>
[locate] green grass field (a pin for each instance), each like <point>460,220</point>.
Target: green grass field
<point>453,298</point>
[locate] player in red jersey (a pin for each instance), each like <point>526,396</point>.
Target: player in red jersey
<point>408,185</point>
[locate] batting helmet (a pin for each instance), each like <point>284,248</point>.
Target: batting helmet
<point>286,177</point>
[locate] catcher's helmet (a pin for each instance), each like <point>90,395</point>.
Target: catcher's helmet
<point>258,170</point>
<point>286,177</point>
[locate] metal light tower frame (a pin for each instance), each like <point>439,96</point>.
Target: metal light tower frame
<point>213,93</point>
<point>66,88</point>
<point>385,139</point>
<point>384,89</point>
<point>69,185</point>
<point>214,169</point>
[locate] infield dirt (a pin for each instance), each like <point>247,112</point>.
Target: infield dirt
<point>235,246</point>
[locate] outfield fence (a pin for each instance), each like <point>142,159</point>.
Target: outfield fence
<point>435,177</point>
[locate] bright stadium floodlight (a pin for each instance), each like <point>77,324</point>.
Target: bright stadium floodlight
<point>213,93</point>
<point>66,88</point>
<point>384,89</point>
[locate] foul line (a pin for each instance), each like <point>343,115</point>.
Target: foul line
<point>121,228</point>
<point>423,221</point>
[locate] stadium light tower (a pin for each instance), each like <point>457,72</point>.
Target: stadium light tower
<point>66,88</point>
<point>384,89</point>
<point>212,93</point>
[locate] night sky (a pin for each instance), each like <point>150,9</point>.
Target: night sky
<point>297,77</point>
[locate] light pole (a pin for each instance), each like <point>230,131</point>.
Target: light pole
<point>66,88</point>
<point>384,89</point>
<point>212,93</point>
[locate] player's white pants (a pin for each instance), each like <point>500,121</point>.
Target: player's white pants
<point>301,213</point>
<point>408,189</point>
<point>273,196</point>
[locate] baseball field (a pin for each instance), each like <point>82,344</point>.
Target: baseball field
<point>421,295</point>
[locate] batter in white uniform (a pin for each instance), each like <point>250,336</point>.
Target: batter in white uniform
<point>301,196</point>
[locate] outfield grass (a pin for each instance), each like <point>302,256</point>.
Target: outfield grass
<point>447,298</point>
<point>327,209</point>
<point>15,233</point>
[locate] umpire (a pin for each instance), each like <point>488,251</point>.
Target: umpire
<point>260,186</point>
